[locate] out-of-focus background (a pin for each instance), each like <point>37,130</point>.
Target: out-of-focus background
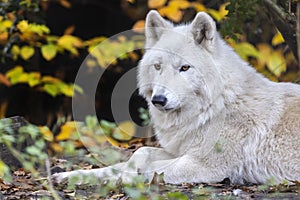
<point>44,42</point>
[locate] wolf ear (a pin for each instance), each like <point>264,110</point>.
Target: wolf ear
<point>203,29</point>
<point>154,27</point>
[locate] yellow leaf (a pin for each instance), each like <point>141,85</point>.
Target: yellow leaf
<point>14,74</point>
<point>220,14</point>
<point>276,63</point>
<point>4,25</point>
<point>277,39</point>
<point>47,134</point>
<point>139,26</point>
<point>198,6</point>
<point>91,63</point>
<point>26,52</point>
<point>23,78</point>
<point>125,131</point>
<point>56,147</point>
<point>49,51</point>
<point>246,50</point>
<point>15,50</point>
<point>156,3</point>
<point>66,131</point>
<point>23,26</point>
<point>70,43</point>
<point>3,36</point>
<point>67,90</point>
<point>34,78</point>
<point>172,13</point>
<point>265,52</point>
<point>50,79</point>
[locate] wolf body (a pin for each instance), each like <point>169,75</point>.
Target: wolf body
<point>214,116</point>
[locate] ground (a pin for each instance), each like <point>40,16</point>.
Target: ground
<point>24,186</point>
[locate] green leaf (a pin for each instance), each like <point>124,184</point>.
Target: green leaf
<point>26,52</point>
<point>91,122</point>
<point>51,89</point>
<point>107,126</point>
<point>177,196</point>
<point>49,51</point>
<point>33,150</point>
<point>14,74</point>
<point>5,172</point>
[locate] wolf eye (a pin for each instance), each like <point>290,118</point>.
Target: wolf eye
<point>184,68</point>
<point>157,66</point>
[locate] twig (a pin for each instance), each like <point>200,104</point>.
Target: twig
<point>298,31</point>
<point>285,22</point>
<point>50,183</point>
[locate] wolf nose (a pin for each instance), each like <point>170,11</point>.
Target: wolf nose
<point>159,100</point>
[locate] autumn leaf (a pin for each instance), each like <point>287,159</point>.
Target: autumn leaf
<point>246,50</point>
<point>26,52</point>
<point>23,26</point>
<point>274,60</point>
<point>3,36</point>
<point>51,89</point>
<point>276,63</point>
<point>47,134</point>
<point>50,79</point>
<point>67,90</point>
<point>174,10</point>
<point>198,6</point>
<point>14,74</point>
<point>4,80</point>
<point>5,24</point>
<point>220,14</point>
<point>65,3</point>
<point>125,131</point>
<point>15,51</point>
<point>156,3</point>
<point>34,78</point>
<point>70,43</point>
<point>67,130</point>
<point>69,30</point>
<point>277,39</point>
<point>139,26</point>
<point>49,51</point>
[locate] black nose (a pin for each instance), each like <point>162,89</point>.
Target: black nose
<point>159,100</point>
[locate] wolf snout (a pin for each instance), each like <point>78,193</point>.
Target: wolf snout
<point>159,100</point>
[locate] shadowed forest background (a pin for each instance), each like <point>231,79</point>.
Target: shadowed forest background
<point>44,43</point>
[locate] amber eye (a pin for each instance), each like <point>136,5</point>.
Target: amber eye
<point>184,68</point>
<point>157,66</point>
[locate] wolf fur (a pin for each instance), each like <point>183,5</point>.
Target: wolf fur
<point>214,116</point>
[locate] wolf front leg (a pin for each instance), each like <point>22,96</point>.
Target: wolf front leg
<point>186,169</point>
<point>126,171</point>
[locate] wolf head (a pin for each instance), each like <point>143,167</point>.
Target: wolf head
<point>178,72</point>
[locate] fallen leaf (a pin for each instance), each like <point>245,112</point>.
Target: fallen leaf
<point>156,3</point>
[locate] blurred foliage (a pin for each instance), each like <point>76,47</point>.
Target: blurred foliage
<point>22,37</point>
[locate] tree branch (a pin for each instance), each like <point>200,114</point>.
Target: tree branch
<point>298,31</point>
<point>285,22</point>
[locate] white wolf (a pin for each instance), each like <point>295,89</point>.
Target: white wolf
<point>214,116</point>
